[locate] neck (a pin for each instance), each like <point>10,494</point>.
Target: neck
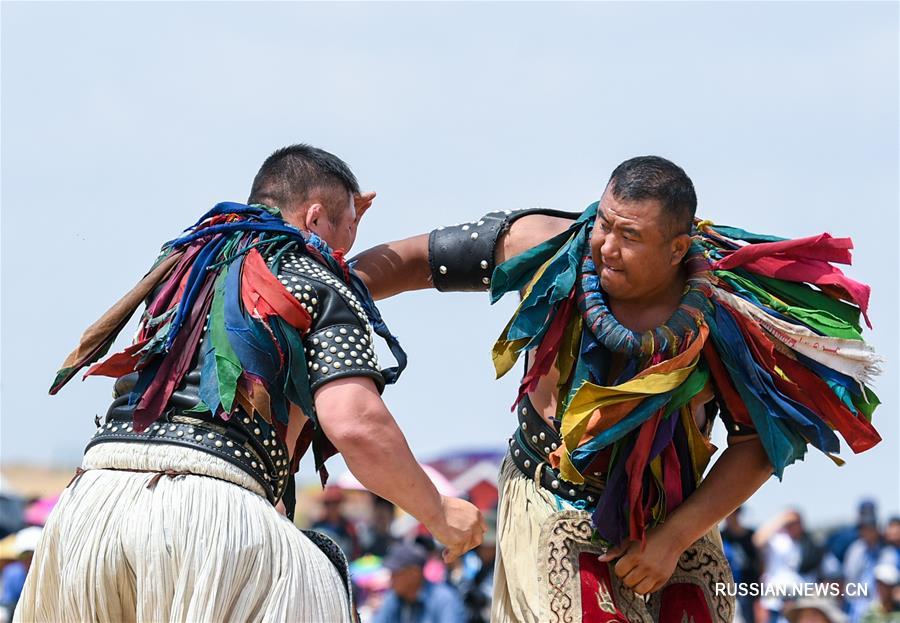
<point>292,218</point>
<point>652,309</point>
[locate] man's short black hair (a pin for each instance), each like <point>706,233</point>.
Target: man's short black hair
<point>652,177</point>
<point>289,175</point>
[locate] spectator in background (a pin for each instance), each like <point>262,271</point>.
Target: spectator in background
<point>12,512</point>
<point>12,580</point>
<point>335,525</point>
<point>863,555</point>
<point>814,610</point>
<point>412,598</point>
<point>744,558</point>
<point>376,537</point>
<point>436,570</point>
<point>477,574</point>
<point>886,608</point>
<point>892,538</point>
<point>842,538</point>
<point>791,556</point>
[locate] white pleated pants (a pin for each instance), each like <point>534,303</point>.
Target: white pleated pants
<point>191,548</point>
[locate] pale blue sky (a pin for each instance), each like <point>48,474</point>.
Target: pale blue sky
<point>122,122</point>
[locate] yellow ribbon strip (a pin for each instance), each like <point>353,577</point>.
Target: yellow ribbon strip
<point>655,380</point>
<point>506,352</point>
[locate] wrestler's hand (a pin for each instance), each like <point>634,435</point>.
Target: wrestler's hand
<point>460,527</point>
<point>645,571</point>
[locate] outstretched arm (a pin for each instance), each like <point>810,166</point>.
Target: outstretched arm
<point>736,475</point>
<point>394,267</point>
<point>403,265</point>
<point>357,422</point>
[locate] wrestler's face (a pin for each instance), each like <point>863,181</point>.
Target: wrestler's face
<point>635,254</point>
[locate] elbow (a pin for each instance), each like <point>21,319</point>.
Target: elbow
<point>761,458</point>
<point>352,414</point>
<point>749,450</point>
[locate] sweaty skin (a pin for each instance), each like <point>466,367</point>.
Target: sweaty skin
<point>743,467</point>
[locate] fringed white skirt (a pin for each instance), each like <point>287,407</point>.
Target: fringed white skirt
<point>190,548</point>
<point>524,507</point>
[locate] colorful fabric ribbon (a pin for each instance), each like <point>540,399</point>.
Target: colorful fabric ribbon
<point>782,357</point>
<point>219,278</point>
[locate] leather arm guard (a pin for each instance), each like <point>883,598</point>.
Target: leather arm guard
<point>461,256</point>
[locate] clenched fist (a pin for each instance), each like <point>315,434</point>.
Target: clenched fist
<point>460,527</point>
<point>645,571</point>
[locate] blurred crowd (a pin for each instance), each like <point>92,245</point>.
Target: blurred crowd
<point>847,574</point>
<point>20,530</point>
<point>399,574</point>
<point>398,571</point>
<point>843,574</point>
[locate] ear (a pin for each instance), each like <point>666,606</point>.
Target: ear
<point>314,215</point>
<point>362,203</point>
<point>680,246</point>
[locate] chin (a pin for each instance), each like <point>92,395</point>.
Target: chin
<point>609,287</point>
<point>612,279</point>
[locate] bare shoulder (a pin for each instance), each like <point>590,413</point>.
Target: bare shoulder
<point>527,232</point>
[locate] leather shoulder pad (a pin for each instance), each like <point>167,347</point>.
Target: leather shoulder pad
<point>340,342</point>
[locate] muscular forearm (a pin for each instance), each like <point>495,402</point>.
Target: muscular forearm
<point>738,474</point>
<point>354,418</point>
<point>395,267</point>
<point>376,452</point>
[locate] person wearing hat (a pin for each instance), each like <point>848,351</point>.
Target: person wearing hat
<point>842,538</point>
<point>892,540</point>
<point>863,556</point>
<point>886,608</point>
<point>412,598</point>
<point>476,583</point>
<point>814,610</point>
<point>12,580</point>
<point>376,537</point>
<point>334,524</point>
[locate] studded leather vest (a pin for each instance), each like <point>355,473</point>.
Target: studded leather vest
<point>338,345</point>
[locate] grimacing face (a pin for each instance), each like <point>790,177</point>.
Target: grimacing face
<point>632,249</point>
